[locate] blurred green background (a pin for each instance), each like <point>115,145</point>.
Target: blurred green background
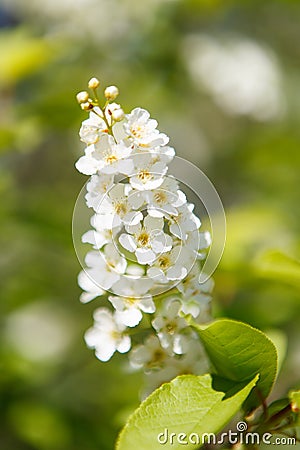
<point>222,79</point>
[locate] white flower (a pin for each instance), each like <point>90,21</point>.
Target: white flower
<point>107,335</point>
<point>148,172</point>
<point>114,259</point>
<point>197,242</point>
<point>172,265</point>
<point>130,308</point>
<point>98,238</point>
<point>97,187</point>
<point>106,156</point>
<point>184,221</point>
<point>87,164</point>
<point>165,154</point>
<point>113,156</point>
<point>93,128</point>
<point>165,199</point>
<point>142,130</point>
<point>168,325</point>
<point>197,306</point>
<point>191,285</point>
<point>117,207</point>
<point>105,267</point>
<point>132,285</point>
<point>195,295</point>
<point>91,288</point>
<point>146,240</point>
<point>149,356</point>
<point>132,298</point>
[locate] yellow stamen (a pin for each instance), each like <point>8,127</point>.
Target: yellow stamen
<point>130,300</point>
<point>111,159</point>
<point>145,175</point>
<point>163,261</point>
<point>137,131</point>
<point>160,197</point>
<point>120,208</point>
<point>143,239</point>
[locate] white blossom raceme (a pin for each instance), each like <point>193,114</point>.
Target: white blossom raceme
<point>146,246</point>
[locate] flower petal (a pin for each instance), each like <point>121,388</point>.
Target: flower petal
<point>124,345</point>
<point>130,317</point>
<point>145,256</point>
<point>127,241</point>
<point>147,305</point>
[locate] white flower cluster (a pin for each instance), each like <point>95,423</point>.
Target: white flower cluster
<point>147,247</point>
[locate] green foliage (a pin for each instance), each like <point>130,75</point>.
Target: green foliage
<point>276,265</point>
<point>191,405</point>
<point>23,55</point>
<point>238,352</point>
<point>188,404</point>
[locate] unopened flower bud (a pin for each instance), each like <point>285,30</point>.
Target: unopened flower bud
<point>118,114</point>
<point>93,83</point>
<point>86,106</point>
<point>82,97</point>
<point>111,92</point>
<point>295,407</point>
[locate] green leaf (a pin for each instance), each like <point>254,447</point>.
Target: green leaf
<point>188,404</point>
<point>275,265</point>
<point>239,352</point>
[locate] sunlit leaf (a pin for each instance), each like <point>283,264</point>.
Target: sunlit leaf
<point>188,404</point>
<point>239,352</point>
